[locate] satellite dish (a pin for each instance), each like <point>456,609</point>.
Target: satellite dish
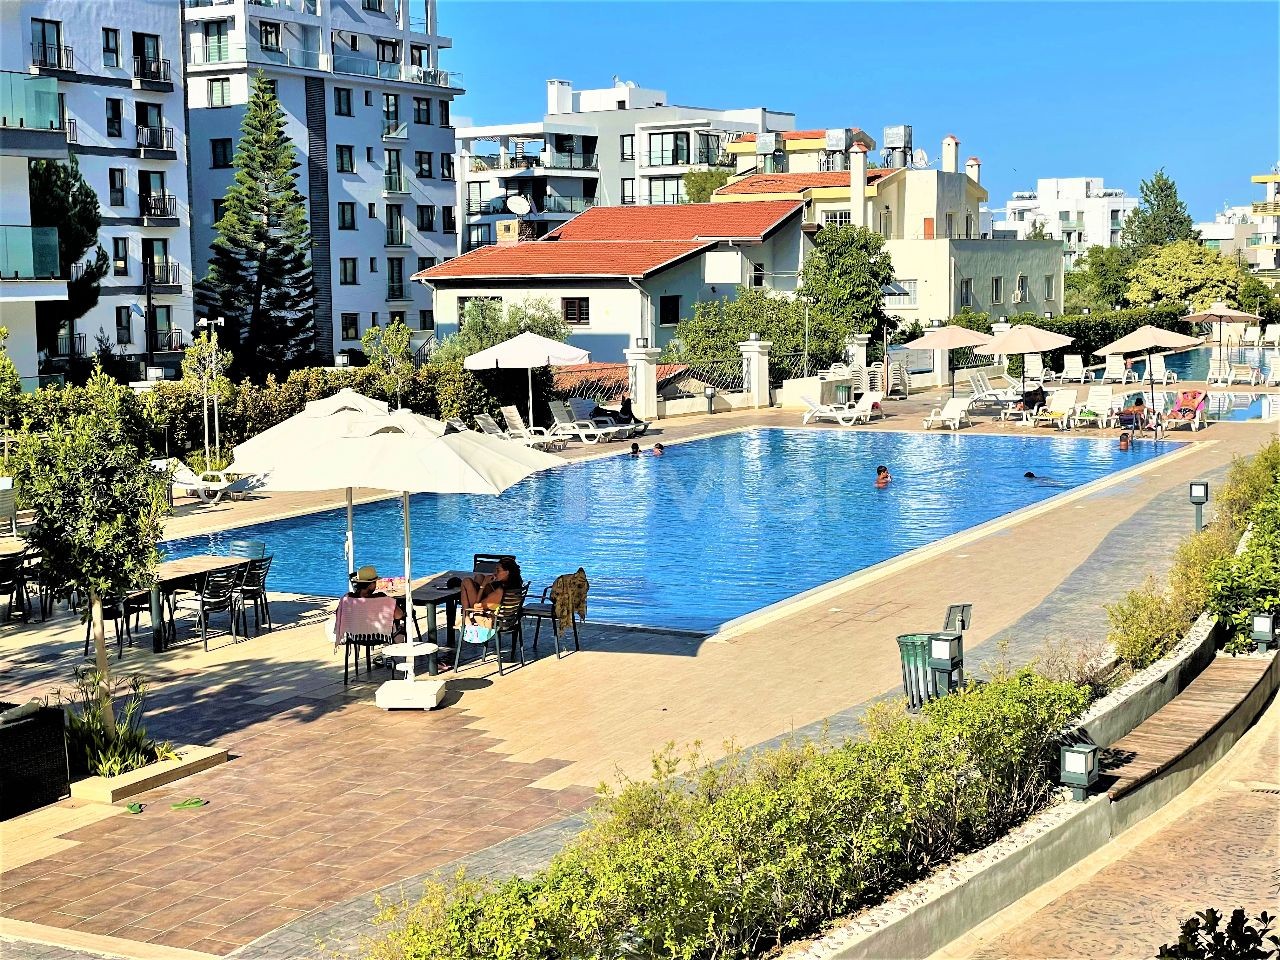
<point>919,158</point>
<point>519,205</point>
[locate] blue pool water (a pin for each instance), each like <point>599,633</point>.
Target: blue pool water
<point>715,529</point>
<point>1194,364</point>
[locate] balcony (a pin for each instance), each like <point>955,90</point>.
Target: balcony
<point>666,158</point>
<point>70,345</point>
<point>288,57</point>
<point>51,56</point>
<point>398,290</point>
<point>1267,208</point>
<point>168,341</point>
<point>29,253</point>
<point>714,158</point>
<point>473,243</point>
<point>572,161</point>
<point>162,273</point>
<point>396,236</point>
<point>147,70</point>
<point>567,204</point>
<point>30,121</point>
<point>159,206</point>
<point>393,182</point>
<point>155,138</point>
<point>1070,224</point>
<point>395,130</point>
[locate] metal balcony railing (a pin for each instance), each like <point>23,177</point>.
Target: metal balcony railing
<point>168,341</point>
<point>70,345</point>
<point>29,253</point>
<point>158,204</point>
<point>145,68</point>
<point>476,243</point>
<point>162,272</point>
<point>69,125</point>
<point>396,290</point>
<point>393,182</point>
<point>572,161</point>
<point>52,56</point>
<point>155,138</point>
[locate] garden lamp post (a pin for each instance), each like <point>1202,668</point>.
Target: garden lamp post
<point>1078,767</point>
<point>710,393</point>
<point>946,662</point>
<point>1264,630</point>
<point>1199,495</point>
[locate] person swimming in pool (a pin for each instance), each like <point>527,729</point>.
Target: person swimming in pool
<point>1044,481</point>
<point>635,450</point>
<point>658,449</point>
<point>883,476</point>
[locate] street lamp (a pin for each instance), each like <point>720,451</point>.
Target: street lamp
<point>208,323</point>
<point>1199,495</point>
<point>946,662</point>
<point>710,393</point>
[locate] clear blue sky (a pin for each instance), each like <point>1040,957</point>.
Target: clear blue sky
<point>1034,89</point>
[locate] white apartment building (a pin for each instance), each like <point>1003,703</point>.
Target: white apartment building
<point>30,127</point>
<point>368,109</point>
<point>1234,231</point>
<point>1080,211</point>
<point>614,146</point>
<point>117,68</point>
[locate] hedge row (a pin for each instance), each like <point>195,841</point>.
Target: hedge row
<point>741,856</point>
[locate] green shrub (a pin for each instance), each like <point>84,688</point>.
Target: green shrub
<point>1248,482</point>
<point>90,748</point>
<point>1145,624</point>
<point>1240,585</point>
<point>1206,937</point>
<point>1193,564</point>
<point>728,860</point>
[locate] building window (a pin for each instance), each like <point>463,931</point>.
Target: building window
<point>444,114</point>
<point>426,263</point>
<point>426,217</point>
<point>268,35</point>
<point>904,294</point>
<point>426,319</point>
<point>446,166</point>
<point>449,222</point>
<point>373,211</point>
<point>837,218</point>
<point>1021,290</point>
<point>347,271</point>
<point>951,225</point>
<point>422,163</point>
<point>395,225</point>
<point>124,324</point>
<point>220,92</point>
<point>668,149</point>
<point>1048,286</point>
<point>346,215</point>
<point>395,316</point>
<point>628,190</point>
<point>997,289</point>
<point>219,208</point>
<point>575,311</point>
<point>221,152</point>
<point>272,87</point>
<point>669,310</point>
<point>351,326</point>
<point>1116,220</point>
<point>968,226</point>
<point>115,113</point>
<point>115,179</point>
<point>120,256</point>
<point>110,47</point>
<point>666,190</point>
<point>388,51</point>
<point>421,110</point>
<point>966,291</point>
<point>627,144</point>
<point>373,318</point>
<point>342,104</point>
<point>757,275</point>
<point>346,158</point>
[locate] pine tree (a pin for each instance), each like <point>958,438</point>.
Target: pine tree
<point>1160,218</point>
<point>260,276</point>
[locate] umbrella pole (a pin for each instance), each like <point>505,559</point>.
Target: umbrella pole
<point>351,540</point>
<point>408,587</point>
<point>1155,430</point>
<point>530,372</point>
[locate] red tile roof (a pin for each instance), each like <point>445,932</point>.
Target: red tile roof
<point>678,221</point>
<point>608,377</point>
<point>795,182</point>
<point>565,258</point>
<point>793,135</point>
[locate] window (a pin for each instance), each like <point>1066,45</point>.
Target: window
<point>575,311</point>
<point>120,256</point>
<point>219,208</point>
<point>347,271</point>
<point>966,291</point>
<point>422,159</point>
<point>395,225</point>
<point>124,324</point>
<point>449,222</point>
<point>221,152</point>
<point>968,226</point>
<point>272,86</point>
<point>628,190</point>
<point>669,310</point>
<point>886,224</point>
<point>903,295</point>
<point>1048,286</point>
<point>115,179</point>
<point>951,225</point>
<point>446,166</point>
<point>351,326</point>
<point>346,215</point>
<point>997,289</point>
<point>444,114</point>
<point>373,211</point>
<point>391,114</point>
<point>346,158</point>
<point>110,47</point>
<point>46,44</point>
<point>627,144</point>
<point>220,92</point>
<point>115,113</point>
<point>395,282</point>
<point>368,94</point>
<point>420,56</point>
<point>373,318</point>
<point>269,35</point>
<point>1116,222</point>
<point>757,275</point>
<point>215,41</point>
<point>1021,290</point>
<point>375,5</point>
<point>426,217</point>
<point>368,154</point>
<point>666,190</point>
<point>373,264</point>
<point>426,263</point>
<point>342,108</point>
<point>421,110</point>
<point>395,316</point>
<point>388,51</point>
<point>668,149</point>
<point>426,319</point>
<point>837,218</point>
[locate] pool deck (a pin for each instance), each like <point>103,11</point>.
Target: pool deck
<point>328,798</point>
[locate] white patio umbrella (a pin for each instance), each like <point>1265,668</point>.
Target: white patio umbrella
<point>1220,314</point>
<point>525,352</point>
<point>1023,339</point>
<point>1146,339</point>
<point>948,338</point>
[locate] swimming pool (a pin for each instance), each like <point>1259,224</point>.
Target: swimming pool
<point>1193,364</point>
<point>715,529</point>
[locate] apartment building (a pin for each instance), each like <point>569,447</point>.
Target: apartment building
<point>1267,239</point>
<point>31,127</point>
<point>931,220</point>
<point>117,70</point>
<point>616,146</point>
<point>1082,212</point>
<point>369,111</point>
<point>1234,232</point>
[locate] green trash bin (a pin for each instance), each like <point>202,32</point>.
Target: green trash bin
<point>843,393</point>
<point>914,651</point>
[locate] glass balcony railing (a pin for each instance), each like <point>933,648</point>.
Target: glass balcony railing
<point>29,253</point>
<point>393,182</point>
<point>396,236</point>
<point>567,204</point>
<point>396,290</point>
<point>572,161</point>
<point>29,102</point>
<point>667,158</point>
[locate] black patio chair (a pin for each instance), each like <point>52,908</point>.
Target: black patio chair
<point>217,594</point>
<point>508,619</point>
<point>545,609</point>
<point>254,590</point>
<point>13,586</point>
<point>488,562</point>
<point>115,612</point>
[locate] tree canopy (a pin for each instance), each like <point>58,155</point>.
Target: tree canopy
<point>389,353</point>
<point>486,323</point>
<point>845,275</point>
<point>1185,273</point>
<point>1100,279</point>
<point>1159,218</point>
<point>718,326</point>
<point>699,185</point>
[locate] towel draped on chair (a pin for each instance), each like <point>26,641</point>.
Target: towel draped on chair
<point>365,617</point>
<point>569,596</point>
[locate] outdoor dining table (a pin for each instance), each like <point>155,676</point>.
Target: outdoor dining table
<point>173,574</point>
<point>435,592</point>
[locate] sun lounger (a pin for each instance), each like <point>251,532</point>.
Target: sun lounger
<point>1188,411</point>
<point>985,393</point>
<point>1230,373</point>
<point>490,426</point>
<point>1073,369</point>
<point>841,413</point>
<point>530,436</point>
<point>952,414</point>
<point>1059,410</point>
<point>1115,370</point>
<point>581,408</point>
<point>457,424</point>
<point>1097,408</point>
<point>209,486</point>
<point>1252,337</point>
<point>1271,335</point>
<point>1160,372</point>
<point>583,430</point>
<point>1033,365</point>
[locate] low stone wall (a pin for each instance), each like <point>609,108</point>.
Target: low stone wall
<point>689,406</point>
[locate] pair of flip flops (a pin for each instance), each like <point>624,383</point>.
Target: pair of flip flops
<point>191,803</point>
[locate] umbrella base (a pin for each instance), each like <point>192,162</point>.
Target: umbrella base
<point>410,694</point>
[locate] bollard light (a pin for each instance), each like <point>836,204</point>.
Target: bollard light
<point>342,360</point>
<point>1264,630</point>
<point>710,394</point>
<point>753,337</point>
<point>1078,767</point>
<point>642,343</point>
<point>946,662</point>
<point>1199,495</point>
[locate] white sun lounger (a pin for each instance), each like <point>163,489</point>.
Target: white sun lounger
<point>985,393</point>
<point>1115,371</point>
<point>529,436</point>
<point>586,431</point>
<point>952,414</point>
<point>1073,369</point>
<point>1161,373</point>
<point>1235,373</point>
<point>1033,365</point>
<point>1059,409</point>
<point>1097,408</point>
<point>209,486</point>
<point>1252,337</point>
<point>1271,335</point>
<point>841,413</point>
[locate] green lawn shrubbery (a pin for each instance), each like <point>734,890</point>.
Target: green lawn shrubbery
<point>740,856</point>
<point>1250,583</point>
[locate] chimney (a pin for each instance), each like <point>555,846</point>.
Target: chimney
<point>973,167</point>
<point>559,96</point>
<point>507,233</point>
<point>950,154</point>
<point>858,184</point>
